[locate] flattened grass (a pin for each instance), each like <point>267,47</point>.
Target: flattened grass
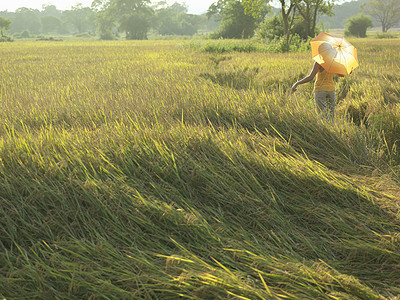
<point>127,173</point>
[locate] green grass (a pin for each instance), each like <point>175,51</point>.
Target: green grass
<point>146,170</point>
<point>248,46</point>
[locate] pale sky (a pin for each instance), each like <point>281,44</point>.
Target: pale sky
<point>194,6</point>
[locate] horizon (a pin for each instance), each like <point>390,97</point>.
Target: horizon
<point>194,7</point>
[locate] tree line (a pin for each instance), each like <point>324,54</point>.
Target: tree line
<point>244,18</point>
<point>108,19</point>
<point>134,19</point>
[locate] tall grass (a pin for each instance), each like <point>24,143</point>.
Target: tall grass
<point>146,170</point>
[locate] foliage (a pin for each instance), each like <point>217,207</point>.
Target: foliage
<point>227,46</point>
<point>23,35</point>
<point>272,29</point>
<point>4,25</point>
<point>287,11</point>
<point>257,8</point>
<point>386,12</point>
<point>132,16</point>
<point>300,18</point>
<point>358,25</point>
<point>108,22</point>
<point>174,20</point>
<point>50,10</point>
<point>135,25</point>
<point>81,18</point>
<point>216,8</point>
<point>235,22</point>
<point>147,170</point>
<point>310,10</point>
<point>26,19</point>
<point>50,24</point>
<point>386,35</point>
<point>105,26</point>
<point>341,12</point>
<point>278,44</point>
<point>51,20</point>
<point>6,38</point>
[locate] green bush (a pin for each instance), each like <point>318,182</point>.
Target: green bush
<point>357,25</point>
<point>277,45</point>
<point>235,23</point>
<point>6,38</point>
<point>23,35</point>
<point>83,35</point>
<point>225,46</point>
<point>386,35</point>
<point>107,36</point>
<point>272,29</point>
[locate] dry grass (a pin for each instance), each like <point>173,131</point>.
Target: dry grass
<point>147,170</point>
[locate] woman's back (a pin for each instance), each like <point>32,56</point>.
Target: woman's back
<point>324,82</point>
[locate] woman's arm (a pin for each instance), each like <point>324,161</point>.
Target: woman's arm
<point>310,77</point>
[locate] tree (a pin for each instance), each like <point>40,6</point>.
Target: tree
<point>26,19</point>
<point>170,20</point>
<point>257,8</point>
<point>272,28</point>
<point>81,18</point>
<point>296,17</point>
<point>386,12</point>
<point>50,24</point>
<point>131,16</point>
<point>105,25</point>
<point>237,20</point>
<point>288,13</point>
<point>215,9</point>
<point>50,10</point>
<point>4,25</point>
<point>310,10</point>
<point>135,25</point>
<point>358,25</point>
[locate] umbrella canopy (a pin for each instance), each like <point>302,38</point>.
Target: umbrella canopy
<point>334,53</point>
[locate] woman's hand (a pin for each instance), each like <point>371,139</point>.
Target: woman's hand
<point>294,87</point>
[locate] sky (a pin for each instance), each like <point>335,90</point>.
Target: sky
<point>194,6</point>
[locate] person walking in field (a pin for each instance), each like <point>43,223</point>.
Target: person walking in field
<point>333,55</point>
<point>324,90</point>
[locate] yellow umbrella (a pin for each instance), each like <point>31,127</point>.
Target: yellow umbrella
<point>334,53</point>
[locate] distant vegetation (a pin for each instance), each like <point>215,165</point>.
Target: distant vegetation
<point>161,19</point>
<point>138,19</point>
<point>4,26</point>
<point>358,25</point>
<point>342,13</point>
<point>381,10</point>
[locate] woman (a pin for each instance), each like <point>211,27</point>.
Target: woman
<point>324,90</point>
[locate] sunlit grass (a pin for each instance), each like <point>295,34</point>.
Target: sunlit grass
<point>149,170</point>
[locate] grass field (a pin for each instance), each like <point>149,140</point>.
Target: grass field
<point>152,170</point>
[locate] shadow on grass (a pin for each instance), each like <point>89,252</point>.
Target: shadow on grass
<point>280,205</point>
<point>304,133</point>
<point>207,191</point>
